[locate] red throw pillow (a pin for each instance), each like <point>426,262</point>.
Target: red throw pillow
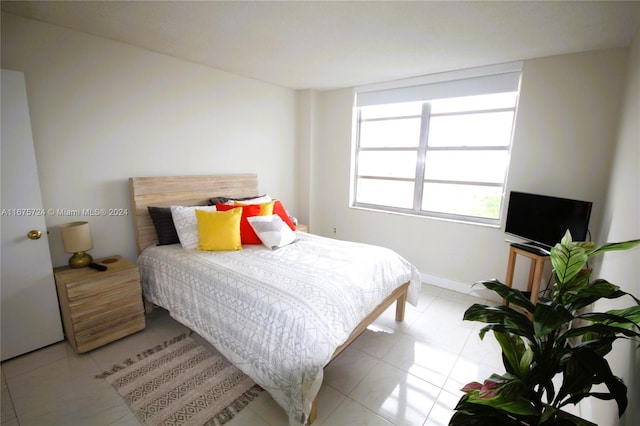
<point>247,234</point>
<point>279,209</point>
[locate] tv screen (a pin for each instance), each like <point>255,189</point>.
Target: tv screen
<point>543,220</point>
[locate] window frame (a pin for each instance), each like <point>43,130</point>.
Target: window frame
<point>422,149</point>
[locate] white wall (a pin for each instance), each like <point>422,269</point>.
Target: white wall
<point>566,127</point>
<point>305,127</point>
<point>621,223</point>
<point>103,111</point>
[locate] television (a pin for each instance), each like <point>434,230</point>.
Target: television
<point>542,220</point>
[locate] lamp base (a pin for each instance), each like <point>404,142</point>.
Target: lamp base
<point>80,260</point>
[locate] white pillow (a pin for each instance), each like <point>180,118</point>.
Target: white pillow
<point>272,231</point>
<point>184,219</point>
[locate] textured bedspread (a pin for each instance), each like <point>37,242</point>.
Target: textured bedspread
<point>277,315</point>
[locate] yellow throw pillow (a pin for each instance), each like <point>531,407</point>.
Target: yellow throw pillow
<point>219,231</point>
<point>266,209</point>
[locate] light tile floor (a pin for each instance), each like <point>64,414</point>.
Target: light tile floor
<point>405,373</point>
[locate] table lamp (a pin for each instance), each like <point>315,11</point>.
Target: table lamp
<point>76,238</point>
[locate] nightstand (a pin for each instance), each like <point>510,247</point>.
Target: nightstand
<point>99,307</point>
<point>302,227</point>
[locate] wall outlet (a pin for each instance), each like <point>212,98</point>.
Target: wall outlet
<point>335,230</point>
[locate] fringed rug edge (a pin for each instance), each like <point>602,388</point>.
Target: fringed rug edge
<point>235,407</point>
<point>142,355</point>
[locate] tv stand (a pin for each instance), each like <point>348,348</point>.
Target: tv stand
<point>538,257</point>
<point>532,247</point>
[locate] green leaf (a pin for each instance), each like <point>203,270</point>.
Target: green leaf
<point>599,287</point>
<point>520,406</point>
<point>567,260</point>
<point>589,367</point>
<point>510,319</point>
<point>565,418</point>
<point>601,330</point>
<point>590,293</point>
<point>526,361</point>
<point>625,245</point>
<point>509,294</point>
<point>527,334</point>
<point>600,345</point>
<point>503,392</point>
<point>548,413</point>
<point>566,239</point>
<point>515,353</point>
<point>631,314</point>
<point>577,378</point>
<point>626,318</point>
<point>469,414</point>
<point>549,316</point>
<point>572,288</point>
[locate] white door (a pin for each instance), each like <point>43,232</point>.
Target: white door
<point>30,316</point>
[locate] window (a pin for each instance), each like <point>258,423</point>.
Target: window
<point>440,149</point>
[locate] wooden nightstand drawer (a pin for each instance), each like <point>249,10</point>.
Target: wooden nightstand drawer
<point>88,283</point>
<point>90,318</point>
<point>106,303</point>
<point>108,332</point>
<point>99,307</point>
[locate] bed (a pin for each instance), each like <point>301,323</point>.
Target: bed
<point>279,315</point>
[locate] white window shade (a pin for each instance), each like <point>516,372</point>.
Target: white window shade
<point>441,87</point>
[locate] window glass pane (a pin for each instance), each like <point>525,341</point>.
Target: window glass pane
<point>470,166</point>
<point>391,110</point>
<point>468,200</point>
<point>474,103</point>
<point>385,193</point>
<point>484,129</point>
<point>387,164</point>
<point>390,133</point>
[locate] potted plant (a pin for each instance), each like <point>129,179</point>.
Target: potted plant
<point>562,338</point>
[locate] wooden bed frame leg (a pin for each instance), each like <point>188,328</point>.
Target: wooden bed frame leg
<point>148,306</point>
<point>313,414</point>
<point>401,302</point>
<point>400,305</point>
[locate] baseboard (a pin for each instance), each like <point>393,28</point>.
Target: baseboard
<point>460,287</point>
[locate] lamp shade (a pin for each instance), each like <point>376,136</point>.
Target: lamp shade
<point>76,237</point>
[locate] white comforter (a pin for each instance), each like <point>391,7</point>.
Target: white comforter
<point>277,315</point>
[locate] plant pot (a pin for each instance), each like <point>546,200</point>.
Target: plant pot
<point>568,419</point>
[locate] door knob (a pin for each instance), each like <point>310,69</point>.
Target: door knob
<point>34,234</point>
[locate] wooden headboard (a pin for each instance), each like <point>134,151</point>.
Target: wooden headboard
<point>165,191</point>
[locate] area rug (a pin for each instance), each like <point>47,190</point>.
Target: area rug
<point>182,383</point>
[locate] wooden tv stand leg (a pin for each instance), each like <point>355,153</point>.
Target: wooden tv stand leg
<point>535,277</point>
<point>535,273</point>
<point>511,266</point>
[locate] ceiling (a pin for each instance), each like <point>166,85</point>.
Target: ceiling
<point>332,44</point>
